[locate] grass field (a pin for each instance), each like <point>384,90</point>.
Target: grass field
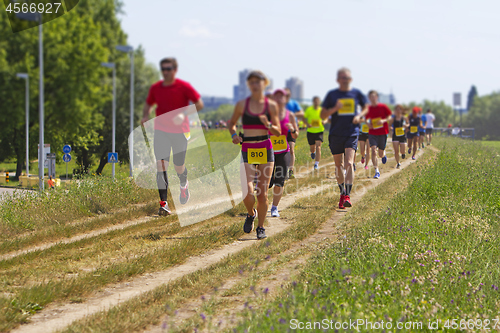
<point>432,253</point>
<point>494,144</point>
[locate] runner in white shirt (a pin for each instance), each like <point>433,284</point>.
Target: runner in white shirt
<point>429,125</point>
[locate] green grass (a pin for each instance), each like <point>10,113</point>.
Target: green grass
<point>432,253</point>
<point>494,144</point>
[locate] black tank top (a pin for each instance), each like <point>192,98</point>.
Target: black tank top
<point>252,121</point>
<point>398,123</point>
<point>414,121</point>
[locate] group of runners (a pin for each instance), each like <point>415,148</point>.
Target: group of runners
<point>270,129</point>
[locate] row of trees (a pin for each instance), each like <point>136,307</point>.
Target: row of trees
<point>78,91</point>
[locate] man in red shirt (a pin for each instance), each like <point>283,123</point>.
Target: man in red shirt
<point>170,96</point>
<point>378,117</point>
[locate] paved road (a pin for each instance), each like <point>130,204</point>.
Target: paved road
<point>8,191</point>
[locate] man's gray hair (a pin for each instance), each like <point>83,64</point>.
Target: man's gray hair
<point>343,70</point>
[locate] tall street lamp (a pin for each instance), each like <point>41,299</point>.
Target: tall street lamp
<point>112,65</point>
<point>27,78</point>
<point>130,50</point>
<point>37,17</point>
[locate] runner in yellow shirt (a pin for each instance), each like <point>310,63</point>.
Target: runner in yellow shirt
<point>315,129</point>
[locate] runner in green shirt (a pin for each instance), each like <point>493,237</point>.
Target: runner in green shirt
<point>315,129</point>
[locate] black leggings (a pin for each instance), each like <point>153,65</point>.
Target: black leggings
<point>280,171</point>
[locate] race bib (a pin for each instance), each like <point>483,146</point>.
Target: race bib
<point>257,155</point>
<point>377,123</point>
<point>365,128</point>
<point>279,142</point>
<point>400,131</point>
<point>413,129</point>
<point>348,107</point>
<point>315,123</point>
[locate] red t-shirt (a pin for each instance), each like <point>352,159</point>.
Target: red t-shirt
<point>170,98</point>
<point>379,111</point>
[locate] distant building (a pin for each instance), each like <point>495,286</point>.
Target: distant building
<point>213,102</point>
<point>296,87</point>
<point>387,99</point>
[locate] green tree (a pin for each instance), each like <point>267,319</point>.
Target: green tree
<point>484,116</point>
<point>444,113</point>
<point>470,97</point>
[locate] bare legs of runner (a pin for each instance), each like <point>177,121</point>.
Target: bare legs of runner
<point>264,172</point>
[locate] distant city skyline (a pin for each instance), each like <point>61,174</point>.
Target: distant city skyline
<point>423,49</point>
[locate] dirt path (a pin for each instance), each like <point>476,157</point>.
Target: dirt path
<point>58,316</point>
<point>121,226</point>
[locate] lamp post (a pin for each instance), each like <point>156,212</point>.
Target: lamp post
<point>37,17</point>
<point>27,78</point>
<point>112,65</point>
<point>130,50</point>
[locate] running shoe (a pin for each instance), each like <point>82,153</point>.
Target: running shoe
<point>377,175</point>
<point>274,212</point>
<point>403,156</point>
<point>398,166</point>
<point>248,226</point>
<point>347,201</point>
<point>313,155</point>
<point>261,233</point>
<point>363,160</point>
<point>384,160</point>
<point>341,201</point>
<point>184,196</point>
<point>423,145</point>
<point>316,167</point>
<point>354,166</point>
<point>366,167</point>
<point>409,150</point>
<point>290,174</point>
<point>413,157</point>
<point>164,211</point>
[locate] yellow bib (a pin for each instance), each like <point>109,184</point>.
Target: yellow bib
<point>257,155</point>
<point>400,131</point>
<point>377,123</point>
<point>315,123</point>
<point>365,128</point>
<point>413,129</point>
<point>348,107</point>
<point>279,143</point>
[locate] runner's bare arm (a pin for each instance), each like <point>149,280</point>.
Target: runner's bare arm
<point>231,125</point>
<point>199,105</point>
<point>145,113</point>
<point>294,126</point>
<point>357,119</point>
<point>299,114</point>
<point>325,113</point>
<point>275,127</point>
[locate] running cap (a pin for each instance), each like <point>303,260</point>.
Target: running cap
<point>279,90</point>
<point>257,74</point>
<point>416,109</point>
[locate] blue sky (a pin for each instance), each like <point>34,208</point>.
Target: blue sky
<point>421,49</point>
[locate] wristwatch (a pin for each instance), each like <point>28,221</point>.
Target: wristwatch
<point>294,131</point>
<point>270,125</point>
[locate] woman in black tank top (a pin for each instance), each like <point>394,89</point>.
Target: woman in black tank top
<point>399,124</point>
<point>259,116</point>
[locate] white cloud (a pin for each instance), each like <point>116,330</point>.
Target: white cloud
<point>196,29</point>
